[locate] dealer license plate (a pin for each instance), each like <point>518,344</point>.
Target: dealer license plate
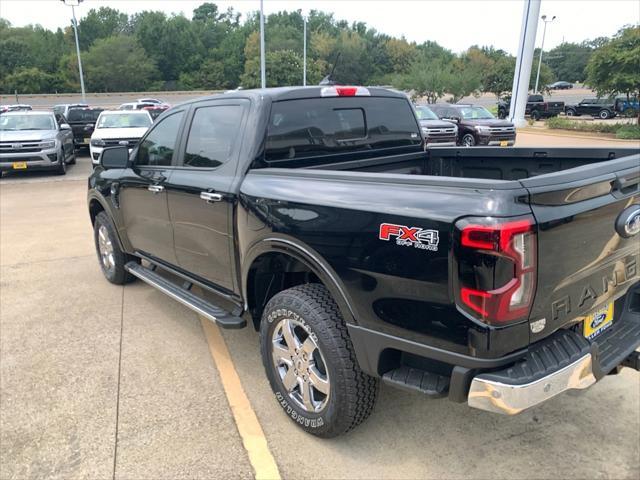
<point>86,140</point>
<point>504,143</point>
<point>598,321</point>
<point>19,165</point>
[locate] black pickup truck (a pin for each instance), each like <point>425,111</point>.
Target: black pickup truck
<point>536,107</point>
<point>83,121</point>
<point>500,277</point>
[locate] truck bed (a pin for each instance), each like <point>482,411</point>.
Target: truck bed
<point>481,163</point>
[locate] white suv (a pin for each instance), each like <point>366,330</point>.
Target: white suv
<point>118,127</point>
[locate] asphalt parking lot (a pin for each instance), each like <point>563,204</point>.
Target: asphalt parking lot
<point>99,381</point>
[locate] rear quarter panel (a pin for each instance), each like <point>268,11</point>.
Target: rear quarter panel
<point>397,289</point>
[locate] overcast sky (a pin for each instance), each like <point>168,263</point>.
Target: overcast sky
<point>454,24</point>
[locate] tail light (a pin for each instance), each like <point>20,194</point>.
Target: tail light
<point>500,279</point>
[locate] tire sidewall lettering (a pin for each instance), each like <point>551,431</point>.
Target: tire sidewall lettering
<point>297,416</point>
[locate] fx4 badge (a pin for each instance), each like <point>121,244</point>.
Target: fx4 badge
<point>410,236</point>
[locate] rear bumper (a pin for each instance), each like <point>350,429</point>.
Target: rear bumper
<point>564,361</point>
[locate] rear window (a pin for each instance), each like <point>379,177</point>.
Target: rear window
<point>308,128</point>
<point>79,115</point>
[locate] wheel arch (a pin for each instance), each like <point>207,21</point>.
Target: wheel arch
<point>96,205</point>
<point>275,264</point>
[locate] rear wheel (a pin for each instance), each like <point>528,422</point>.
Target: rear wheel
<point>604,114</point>
<point>535,115</point>
<point>571,113</point>
<point>111,257</point>
<point>72,161</point>
<point>310,362</point>
<point>468,140</point>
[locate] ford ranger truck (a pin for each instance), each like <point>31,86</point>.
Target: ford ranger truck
<point>499,277</point>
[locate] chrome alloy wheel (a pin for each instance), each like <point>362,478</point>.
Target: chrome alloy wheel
<point>300,365</point>
<point>106,249</point>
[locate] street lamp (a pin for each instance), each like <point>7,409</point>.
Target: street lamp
<point>73,4</point>
<point>544,32</point>
<point>304,51</point>
<point>263,74</point>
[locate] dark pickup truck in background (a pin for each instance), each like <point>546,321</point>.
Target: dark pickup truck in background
<point>83,121</point>
<point>500,277</point>
<point>536,108</point>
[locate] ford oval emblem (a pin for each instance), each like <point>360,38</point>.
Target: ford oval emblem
<point>628,222</point>
<point>123,142</point>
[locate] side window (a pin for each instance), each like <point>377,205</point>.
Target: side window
<point>212,135</point>
<point>157,148</point>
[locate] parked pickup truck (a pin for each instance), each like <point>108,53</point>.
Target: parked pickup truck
<point>500,277</point>
<point>82,122</point>
<point>536,107</point>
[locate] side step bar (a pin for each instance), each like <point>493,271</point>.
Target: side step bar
<point>186,297</point>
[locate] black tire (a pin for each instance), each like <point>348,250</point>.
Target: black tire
<point>604,114</point>
<point>116,274</point>
<point>61,169</point>
<point>570,113</point>
<point>502,114</point>
<point>73,157</point>
<point>468,140</point>
<point>535,115</point>
<point>352,393</point>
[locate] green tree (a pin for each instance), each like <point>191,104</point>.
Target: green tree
<point>568,61</point>
<point>614,68</point>
<point>499,78</point>
<point>426,79</point>
<point>28,80</point>
<point>284,68</point>
<point>401,54</point>
<point>102,23</point>
<point>128,69</point>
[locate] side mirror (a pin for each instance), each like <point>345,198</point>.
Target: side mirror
<point>65,126</point>
<point>114,157</point>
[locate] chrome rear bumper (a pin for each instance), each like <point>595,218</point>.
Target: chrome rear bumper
<point>508,399</point>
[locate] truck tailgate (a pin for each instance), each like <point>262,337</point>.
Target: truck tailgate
<point>584,260</point>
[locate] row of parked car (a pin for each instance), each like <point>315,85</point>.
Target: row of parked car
<point>537,107</point>
<point>49,140</point>
<point>463,124</point>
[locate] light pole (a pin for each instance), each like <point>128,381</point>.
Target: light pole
<point>544,32</point>
<point>73,4</point>
<point>263,75</point>
<point>304,52</point>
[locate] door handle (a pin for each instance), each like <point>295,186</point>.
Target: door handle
<point>155,188</point>
<point>211,197</point>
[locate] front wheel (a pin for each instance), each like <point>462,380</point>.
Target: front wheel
<point>604,114</point>
<point>61,169</point>
<point>310,362</point>
<point>535,115</point>
<point>111,257</point>
<point>571,113</point>
<point>468,140</point>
